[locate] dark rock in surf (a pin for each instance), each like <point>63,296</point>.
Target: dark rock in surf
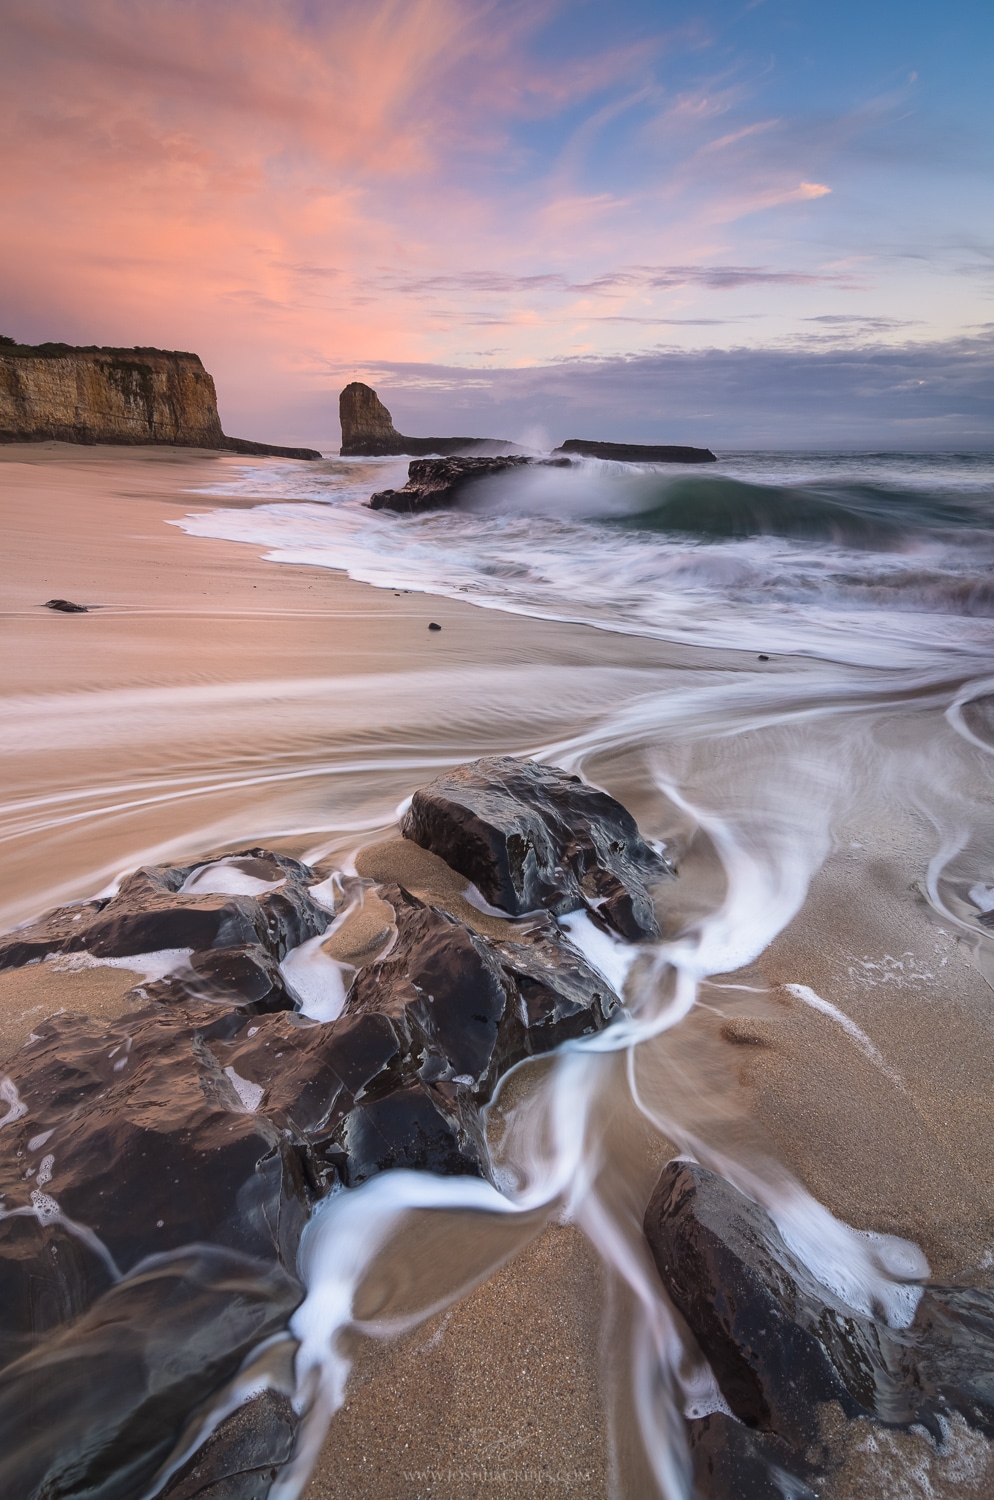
<point>408,1130</point>
<point>435,483</point>
<point>98,1409</point>
<point>49,1276</point>
<point>434,626</point>
<point>246,976</point>
<point>473,1007</point>
<point>243,1455</point>
<point>637,453</point>
<point>424,1037</point>
<point>136,1131</point>
<point>778,1342</point>
<point>150,913</point>
<point>530,836</point>
<point>66,607</point>
<point>782,1346</point>
<point>733,1462</point>
<point>368,430</point>
<point>954,1361</point>
<point>215,1117</point>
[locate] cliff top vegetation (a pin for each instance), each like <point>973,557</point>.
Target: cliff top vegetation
<point>9,346</point>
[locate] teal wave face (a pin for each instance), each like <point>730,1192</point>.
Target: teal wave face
<point>865,517</point>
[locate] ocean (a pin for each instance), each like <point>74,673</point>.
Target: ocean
<point>878,559</point>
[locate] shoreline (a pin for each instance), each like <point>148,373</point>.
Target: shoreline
<point>160,725</point>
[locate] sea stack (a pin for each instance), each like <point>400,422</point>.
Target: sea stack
<point>368,430</point>
<point>55,392</point>
<point>367,426</point>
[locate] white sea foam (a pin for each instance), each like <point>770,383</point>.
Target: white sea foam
<point>248,1092</point>
<point>316,981</point>
<point>150,966</point>
<point>227,877</point>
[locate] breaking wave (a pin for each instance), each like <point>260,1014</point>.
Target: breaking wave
<point>870,560</point>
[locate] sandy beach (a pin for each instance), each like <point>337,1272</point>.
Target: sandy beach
<point>211,699</point>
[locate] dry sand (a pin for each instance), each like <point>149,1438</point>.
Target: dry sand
<point>201,667</point>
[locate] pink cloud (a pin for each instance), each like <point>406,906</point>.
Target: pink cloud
<point>289,186</point>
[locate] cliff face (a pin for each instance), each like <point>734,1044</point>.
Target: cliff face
<point>368,430</point>
<point>55,392</point>
<point>108,396</point>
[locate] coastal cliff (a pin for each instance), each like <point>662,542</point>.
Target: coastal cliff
<point>92,395</point>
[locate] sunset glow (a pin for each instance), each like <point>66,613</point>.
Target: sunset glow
<point>307,192</point>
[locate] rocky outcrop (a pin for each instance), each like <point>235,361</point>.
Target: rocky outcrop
<point>368,430</point>
<point>783,1347</point>
<point>637,453</point>
<point>156,1173</point>
<point>54,392</point>
<point>436,483</point>
<point>530,837</point>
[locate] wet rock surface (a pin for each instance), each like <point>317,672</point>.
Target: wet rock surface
<point>243,1456</point>
<point>782,1346</point>
<point>435,483</point>
<point>530,836</point>
<point>66,607</point>
<point>97,1409</point>
<point>152,911</point>
<point>156,1173</point>
<point>733,1462</point>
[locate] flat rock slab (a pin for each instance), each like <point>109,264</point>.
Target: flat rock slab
<point>637,453</point>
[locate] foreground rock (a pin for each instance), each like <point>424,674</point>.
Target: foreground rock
<point>637,453</point>
<point>254,904</point>
<point>156,1173</point>
<point>368,430</point>
<point>530,836</point>
<point>55,392</point>
<point>783,1347</point>
<point>436,483</point>
<point>100,1406</point>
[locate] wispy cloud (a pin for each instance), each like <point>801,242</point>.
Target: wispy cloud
<point>275,181</point>
<point>914,395</point>
<point>606,283</point>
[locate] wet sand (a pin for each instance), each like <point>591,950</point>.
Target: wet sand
<point>211,699</point>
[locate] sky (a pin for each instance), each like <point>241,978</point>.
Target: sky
<point>757,224</point>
